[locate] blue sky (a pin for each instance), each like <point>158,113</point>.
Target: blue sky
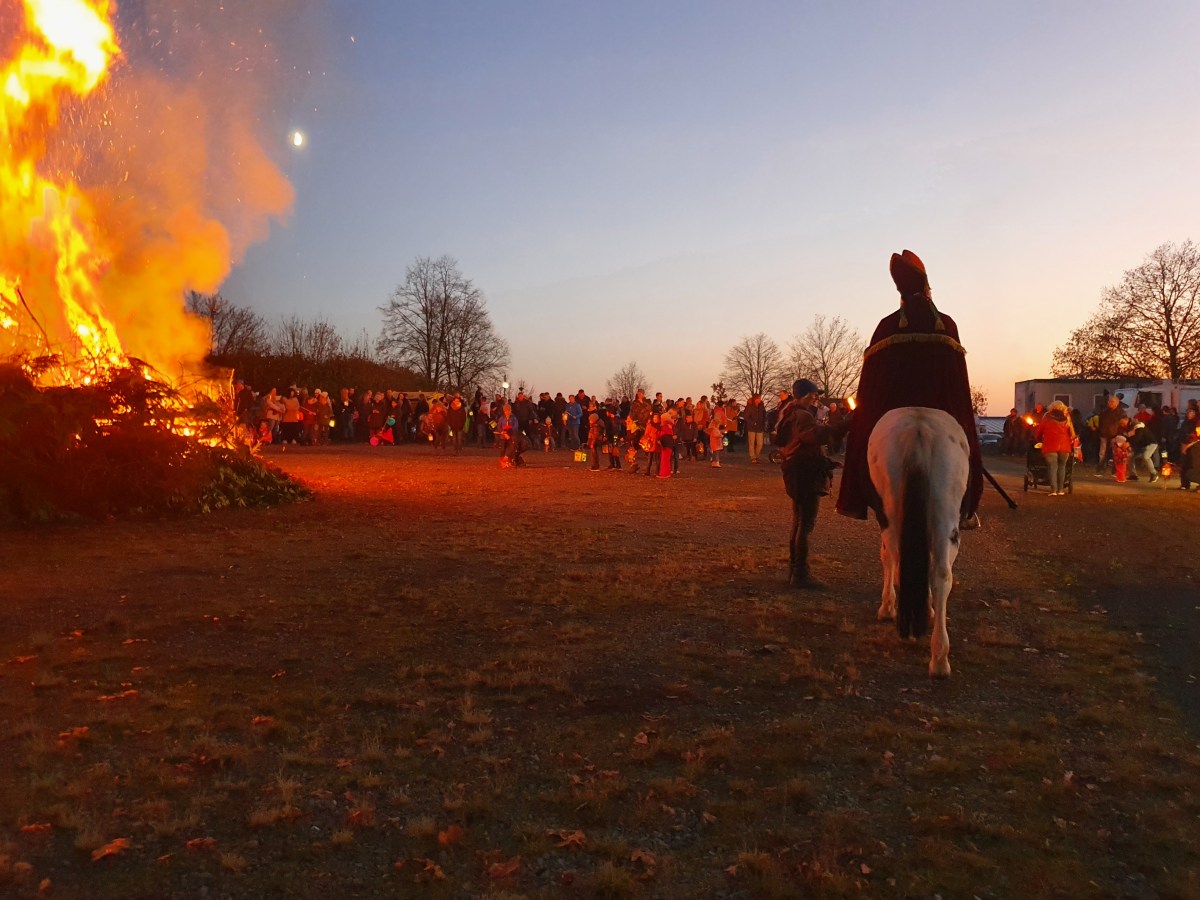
<point>653,181</point>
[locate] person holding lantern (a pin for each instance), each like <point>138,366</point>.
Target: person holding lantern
<point>914,359</point>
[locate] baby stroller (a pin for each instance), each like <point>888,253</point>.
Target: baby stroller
<point>1038,473</point>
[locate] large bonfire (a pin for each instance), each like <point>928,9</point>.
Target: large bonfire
<point>111,208</point>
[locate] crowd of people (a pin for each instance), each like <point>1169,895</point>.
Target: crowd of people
<point>1125,443</point>
<point>631,434</point>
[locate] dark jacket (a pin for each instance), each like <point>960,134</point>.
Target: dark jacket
<point>524,410</point>
<point>806,470</point>
<point>1108,424</point>
<point>754,417</point>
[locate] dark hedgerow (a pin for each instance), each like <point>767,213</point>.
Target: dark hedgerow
<point>107,449</point>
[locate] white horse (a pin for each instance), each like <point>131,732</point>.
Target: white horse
<point>918,460</point>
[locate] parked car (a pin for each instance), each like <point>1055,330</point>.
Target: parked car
<point>990,430</point>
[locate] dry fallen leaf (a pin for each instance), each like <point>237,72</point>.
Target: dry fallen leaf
<point>74,734</point>
<point>507,869</point>
<point>112,848</point>
<point>646,858</point>
<point>433,870</point>
<point>567,839</point>
<point>204,843</point>
<point>641,739</point>
<point>123,695</point>
<point>36,828</point>
<point>451,835</point>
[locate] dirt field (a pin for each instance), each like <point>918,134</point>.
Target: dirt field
<point>442,679</point>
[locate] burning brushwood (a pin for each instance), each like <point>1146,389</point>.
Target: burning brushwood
<point>106,406</point>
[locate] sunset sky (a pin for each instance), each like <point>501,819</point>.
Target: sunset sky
<point>653,181</point>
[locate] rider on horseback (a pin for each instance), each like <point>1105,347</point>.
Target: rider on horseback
<point>914,359</point>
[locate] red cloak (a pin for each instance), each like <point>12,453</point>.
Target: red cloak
<point>918,363</point>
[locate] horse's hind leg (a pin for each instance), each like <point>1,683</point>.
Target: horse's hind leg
<point>889,559</point>
<point>941,580</point>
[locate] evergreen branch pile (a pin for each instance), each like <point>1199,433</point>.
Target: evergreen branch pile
<point>113,449</point>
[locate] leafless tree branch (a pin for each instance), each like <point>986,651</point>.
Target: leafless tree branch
<point>830,353</point>
<point>754,365</point>
<point>1148,326</point>
<point>627,381</point>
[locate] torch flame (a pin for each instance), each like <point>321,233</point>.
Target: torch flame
<point>1029,420</point>
<point>852,403</point>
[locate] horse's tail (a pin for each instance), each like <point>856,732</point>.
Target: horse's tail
<point>913,596</point>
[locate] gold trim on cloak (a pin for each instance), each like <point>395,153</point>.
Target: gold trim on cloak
<point>917,338</point>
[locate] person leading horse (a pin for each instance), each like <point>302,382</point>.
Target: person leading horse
<point>914,359</point>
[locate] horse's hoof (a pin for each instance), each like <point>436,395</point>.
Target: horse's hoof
<point>941,670</point>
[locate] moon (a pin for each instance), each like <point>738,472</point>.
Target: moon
<point>298,139</point>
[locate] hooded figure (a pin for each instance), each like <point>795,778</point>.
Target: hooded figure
<point>914,359</point>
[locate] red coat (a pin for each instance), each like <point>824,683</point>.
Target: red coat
<point>1056,434</point>
<point>911,365</point>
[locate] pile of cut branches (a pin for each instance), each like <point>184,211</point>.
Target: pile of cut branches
<point>123,445</point>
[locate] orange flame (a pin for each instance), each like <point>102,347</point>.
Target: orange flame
<point>45,241</point>
<point>101,232</point>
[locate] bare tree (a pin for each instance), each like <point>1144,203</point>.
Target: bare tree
<point>627,381</point>
<point>754,365</point>
<point>474,353</point>
<point>362,347</point>
<point>1148,326</point>
<point>830,353</point>
<point>322,341</point>
<point>233,329</point>
<point>289,336</point>
<point>436,323</point>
